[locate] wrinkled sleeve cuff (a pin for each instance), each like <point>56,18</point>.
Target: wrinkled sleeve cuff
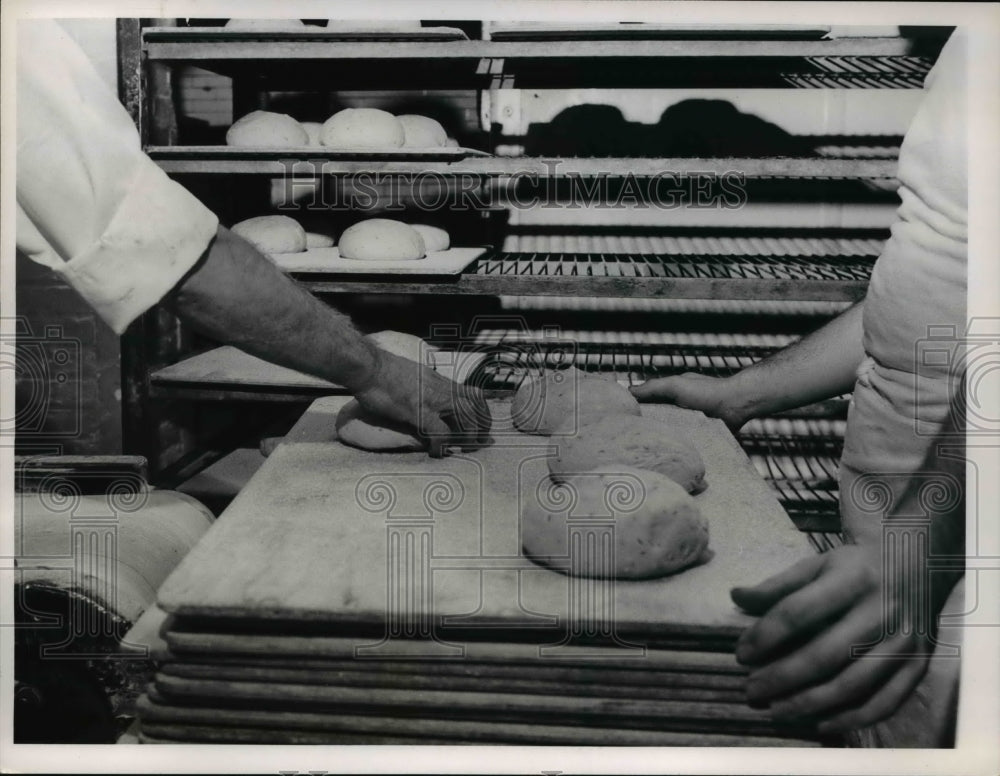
<point>156,236</point>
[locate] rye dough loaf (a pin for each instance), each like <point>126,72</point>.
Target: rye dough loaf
<point>435,238</point>
<point>313,130</point>
<point>273,234</point>
<point>640,442</point>
<point>658,528</point>
<point>265,25</point>
<point>317,240</point>
<point>362,128</point>
<point>544,404</point>
<point>358,428</point>
<point>381,239</point>
<point>422,132</point>
<point>264,129</point>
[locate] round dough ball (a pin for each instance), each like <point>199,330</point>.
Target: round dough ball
<point>358,428</point>
<point>401,344</point>
<point>657,527</point>
<point>273,234</point>
<point>313,129</point>
<point>422,132</point>
<point>435,238</point>
<point>316,240</point>
<point>373,25</point>
<point>381,239</point>
<point>362,128</point>
<point>451,143</point>
<point>265,25</point>
<point>264,129</point>
<point>567,396</point>
<point>631,441</point>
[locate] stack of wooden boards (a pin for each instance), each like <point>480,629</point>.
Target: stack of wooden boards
<point>352,597</point>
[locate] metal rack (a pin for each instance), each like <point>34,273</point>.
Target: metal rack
<point>748,266</point>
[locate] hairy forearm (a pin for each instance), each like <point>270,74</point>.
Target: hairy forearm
<point>237,296</point>
<point>819,366</point>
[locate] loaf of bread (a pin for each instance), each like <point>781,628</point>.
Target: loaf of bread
<point>362,128</point>
<point>422,132</point>
<point>313,130</point>
<point>653,525</point>
<point>265,25</point>
<point>551,401</point>
<point>264,129</point>
<point>316,240</point>
<point>273,234</point>
<point>640,442</point>
<point>381,239</point>
<point>435,238</point>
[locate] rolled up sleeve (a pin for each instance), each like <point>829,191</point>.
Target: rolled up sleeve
<point>91,205</point>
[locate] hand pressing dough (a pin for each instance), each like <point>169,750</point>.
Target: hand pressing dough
<point>358,428</point>
<point>435,238</point>
<point>362,128</point>
<point>264,129</point>
<point>316,240</point>
<point>657,529</point>
<point>313,129</point>
<point>568,396</point>
<point>382,239</point>
<point>273,234</point>
<point>631,441</point>
<point>422,132</point>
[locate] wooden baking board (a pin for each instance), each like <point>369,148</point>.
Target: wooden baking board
<point>307,540</point>
<point>307,32</point>
<point>682,688</point>
<point>679,715</point>
<point>290,154</point>
<point>328,261</point>
<point>159,717</point>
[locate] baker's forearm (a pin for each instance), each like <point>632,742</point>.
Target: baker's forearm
<point>819,366</point>
<point>237,296</point>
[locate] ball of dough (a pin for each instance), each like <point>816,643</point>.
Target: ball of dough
<point>373,25</point>
<point>631,441</point>
<point>422,132</point>
<point>264,129</point>
<point>451,143</point>
<point>273,234</point>
<point>401,344</point>
<point>362,128</point>
<point>381,239</point>
<point>656,526</point>
<point>265,25</point>
<point>313,130</point>
<point>544,404</point>
<point>435,238</point>
<point>316,240</point>
<point>358,428</point>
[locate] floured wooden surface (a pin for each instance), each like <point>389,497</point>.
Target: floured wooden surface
<point>312,538</point>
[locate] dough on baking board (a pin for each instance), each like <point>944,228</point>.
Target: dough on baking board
<point>265,129</point>
<point>547,402</point>
<point>381,239</point>
<point>273,234</point>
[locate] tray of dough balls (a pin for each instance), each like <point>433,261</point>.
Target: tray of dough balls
<point>371,246</point>
<point>653,512</point>
<point>351,134</point>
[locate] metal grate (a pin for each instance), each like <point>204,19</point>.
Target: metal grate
<point>726,257</point>
<point>858,72</point>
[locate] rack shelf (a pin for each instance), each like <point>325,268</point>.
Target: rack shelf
<point>883,63</point>
<point>221,160</point>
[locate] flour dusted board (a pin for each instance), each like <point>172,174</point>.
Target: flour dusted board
<point>329,534</point>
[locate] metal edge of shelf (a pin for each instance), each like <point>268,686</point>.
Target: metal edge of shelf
<point>158,49</point>
<point>540,167</point>
<point>650,287</point>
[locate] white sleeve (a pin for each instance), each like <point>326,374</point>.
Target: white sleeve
<point>90,204</point>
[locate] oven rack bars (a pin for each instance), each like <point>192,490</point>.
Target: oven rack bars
<point>862,72</point>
